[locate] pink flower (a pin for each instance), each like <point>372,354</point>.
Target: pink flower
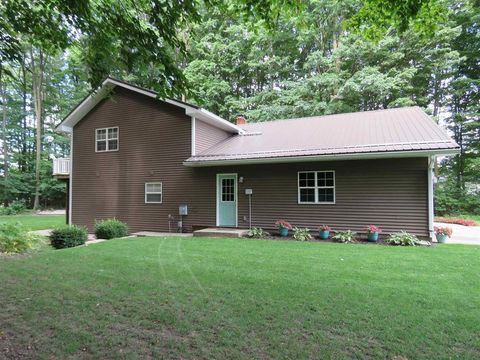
<point>438,230</point>
<point>324,228</point>
<point>283,224</point>
<point>373,229</point>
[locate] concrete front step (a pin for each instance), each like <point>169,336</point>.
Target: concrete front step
<point>221,232</point>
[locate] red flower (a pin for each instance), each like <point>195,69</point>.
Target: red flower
<point>324,228</point>
<point>458,221</point>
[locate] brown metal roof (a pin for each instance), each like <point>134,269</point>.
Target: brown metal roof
<point>392,130</point>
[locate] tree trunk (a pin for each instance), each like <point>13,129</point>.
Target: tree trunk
<point>4,138</point>
<point>37,85</point>
<point>23,164</point>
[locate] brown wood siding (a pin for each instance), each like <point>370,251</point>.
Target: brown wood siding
<point>154,140</point>
<point>207,135</point>
<point>390,193</point>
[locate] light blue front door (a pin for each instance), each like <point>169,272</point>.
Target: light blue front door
<point>227,200</point>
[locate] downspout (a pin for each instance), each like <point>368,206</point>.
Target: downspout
<point>194,129</point>
<point>431,164</point>
<point>70,179</point>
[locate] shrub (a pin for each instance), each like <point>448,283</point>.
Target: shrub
<point>402,239</point>
<point>68,236</point>
<point>15,207</point>
<point>110,229</point>
<point>301,234</point>
<point>15,239</point>
<point>344,236</point>
<point>283,224</point>
<point>258,233</point>
<point>443,231</point>
<point>373,229</point>
<point>458,221</point>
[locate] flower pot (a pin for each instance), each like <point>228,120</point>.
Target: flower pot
<point>283,231</point>
<point>441,238</point>
<point>373,236</point>
<point>324,234</point>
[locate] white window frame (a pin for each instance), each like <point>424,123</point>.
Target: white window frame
<point>106,139</point>
<point>154,192</point>
<point>316,187</point>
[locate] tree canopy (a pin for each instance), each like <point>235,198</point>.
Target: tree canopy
<point>265,59</point>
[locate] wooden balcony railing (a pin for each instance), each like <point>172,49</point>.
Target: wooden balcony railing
<point>61,167</point>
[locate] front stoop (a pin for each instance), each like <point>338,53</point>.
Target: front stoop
<point>221,232</point>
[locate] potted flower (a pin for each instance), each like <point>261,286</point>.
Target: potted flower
<point>324,231</point>
<point>442,233</point>
<point>373,232</point>
<point>283,227</point>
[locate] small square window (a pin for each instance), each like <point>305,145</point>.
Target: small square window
<point>153,193</point>
<point>106,139</point>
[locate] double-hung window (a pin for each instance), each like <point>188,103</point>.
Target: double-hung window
<point>153,193</point>
<point>316,187</point>
<point>106,139</point>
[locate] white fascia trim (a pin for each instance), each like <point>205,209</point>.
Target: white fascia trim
<point>293,159</point>
<point>108,84</point>
<point>214,120</point>
<point>93,99</point>
<point>150,93</point>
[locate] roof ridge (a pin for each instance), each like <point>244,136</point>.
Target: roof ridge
<point>332,115</point>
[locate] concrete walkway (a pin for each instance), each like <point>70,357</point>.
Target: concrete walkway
<point>160,234</point>
<point>50,212</point>
<point>467,235</point>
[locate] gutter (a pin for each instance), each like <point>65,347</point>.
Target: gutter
<point>330,157</point>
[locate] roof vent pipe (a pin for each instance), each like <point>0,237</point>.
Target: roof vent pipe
<point>240,120</point>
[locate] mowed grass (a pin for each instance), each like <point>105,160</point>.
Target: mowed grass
<point>188,298</point>
<point>35,222</point>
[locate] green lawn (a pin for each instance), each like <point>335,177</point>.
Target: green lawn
<point>227,298</point>
<point>35,222</point>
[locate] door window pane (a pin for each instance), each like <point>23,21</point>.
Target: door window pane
<point>307,195</point>
<point>228,189</point>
